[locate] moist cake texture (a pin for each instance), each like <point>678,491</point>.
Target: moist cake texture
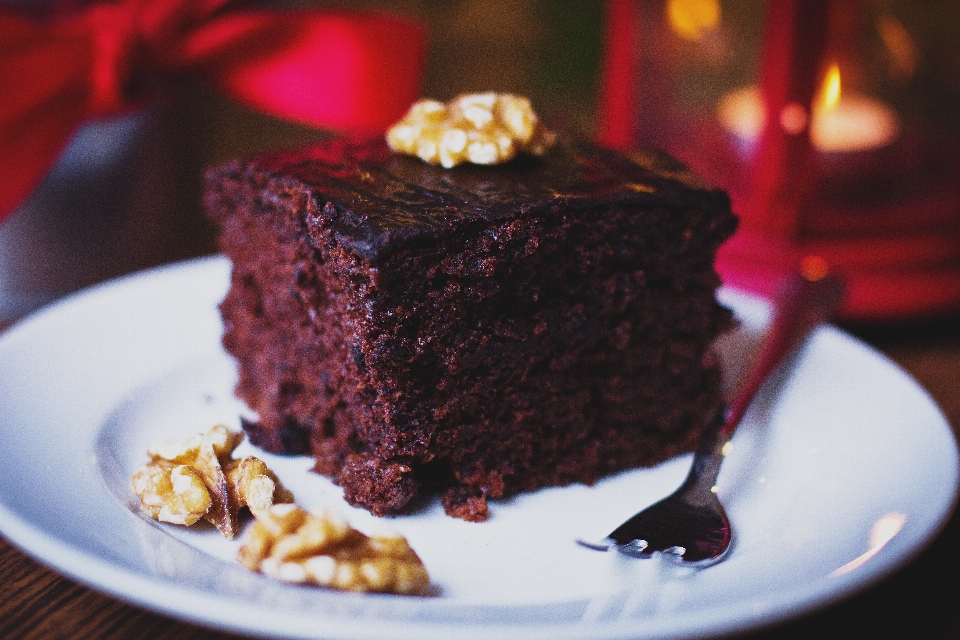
<point>475,331</point>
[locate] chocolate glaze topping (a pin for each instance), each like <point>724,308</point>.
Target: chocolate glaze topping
<point>381,200</point>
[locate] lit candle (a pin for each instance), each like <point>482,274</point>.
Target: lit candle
<point>854,123</point>
<point>840,124</point>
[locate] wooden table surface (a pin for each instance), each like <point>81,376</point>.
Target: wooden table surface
<point>921,601</point>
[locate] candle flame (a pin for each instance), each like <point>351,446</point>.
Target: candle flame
<point>830,93</point>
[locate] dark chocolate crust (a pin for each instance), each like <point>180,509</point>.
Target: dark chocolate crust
<point>477,331</point>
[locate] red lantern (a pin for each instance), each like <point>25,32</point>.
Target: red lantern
<point>830,122</point>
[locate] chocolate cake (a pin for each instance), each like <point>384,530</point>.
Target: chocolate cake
<point>475,331</point>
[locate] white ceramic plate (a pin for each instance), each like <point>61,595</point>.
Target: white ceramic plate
<point>841,477</point>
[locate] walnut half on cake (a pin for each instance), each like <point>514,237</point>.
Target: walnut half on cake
<point>479,330</point>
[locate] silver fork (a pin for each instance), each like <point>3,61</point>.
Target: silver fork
<point>690,525</point>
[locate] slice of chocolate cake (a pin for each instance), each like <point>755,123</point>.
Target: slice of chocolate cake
<point>476,331</point>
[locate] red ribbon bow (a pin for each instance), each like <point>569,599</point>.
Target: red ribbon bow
<point>341,71</point>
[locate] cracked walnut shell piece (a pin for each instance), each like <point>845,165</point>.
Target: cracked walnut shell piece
<point>195,478</point>
<point>295,545</point>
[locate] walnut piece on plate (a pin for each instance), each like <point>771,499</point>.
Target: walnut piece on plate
<point>295,545</point>
<point>171,492</point>
<point>251,484</point>
<point>196,478</point>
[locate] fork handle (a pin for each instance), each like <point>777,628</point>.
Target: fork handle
<point>801,304</point>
